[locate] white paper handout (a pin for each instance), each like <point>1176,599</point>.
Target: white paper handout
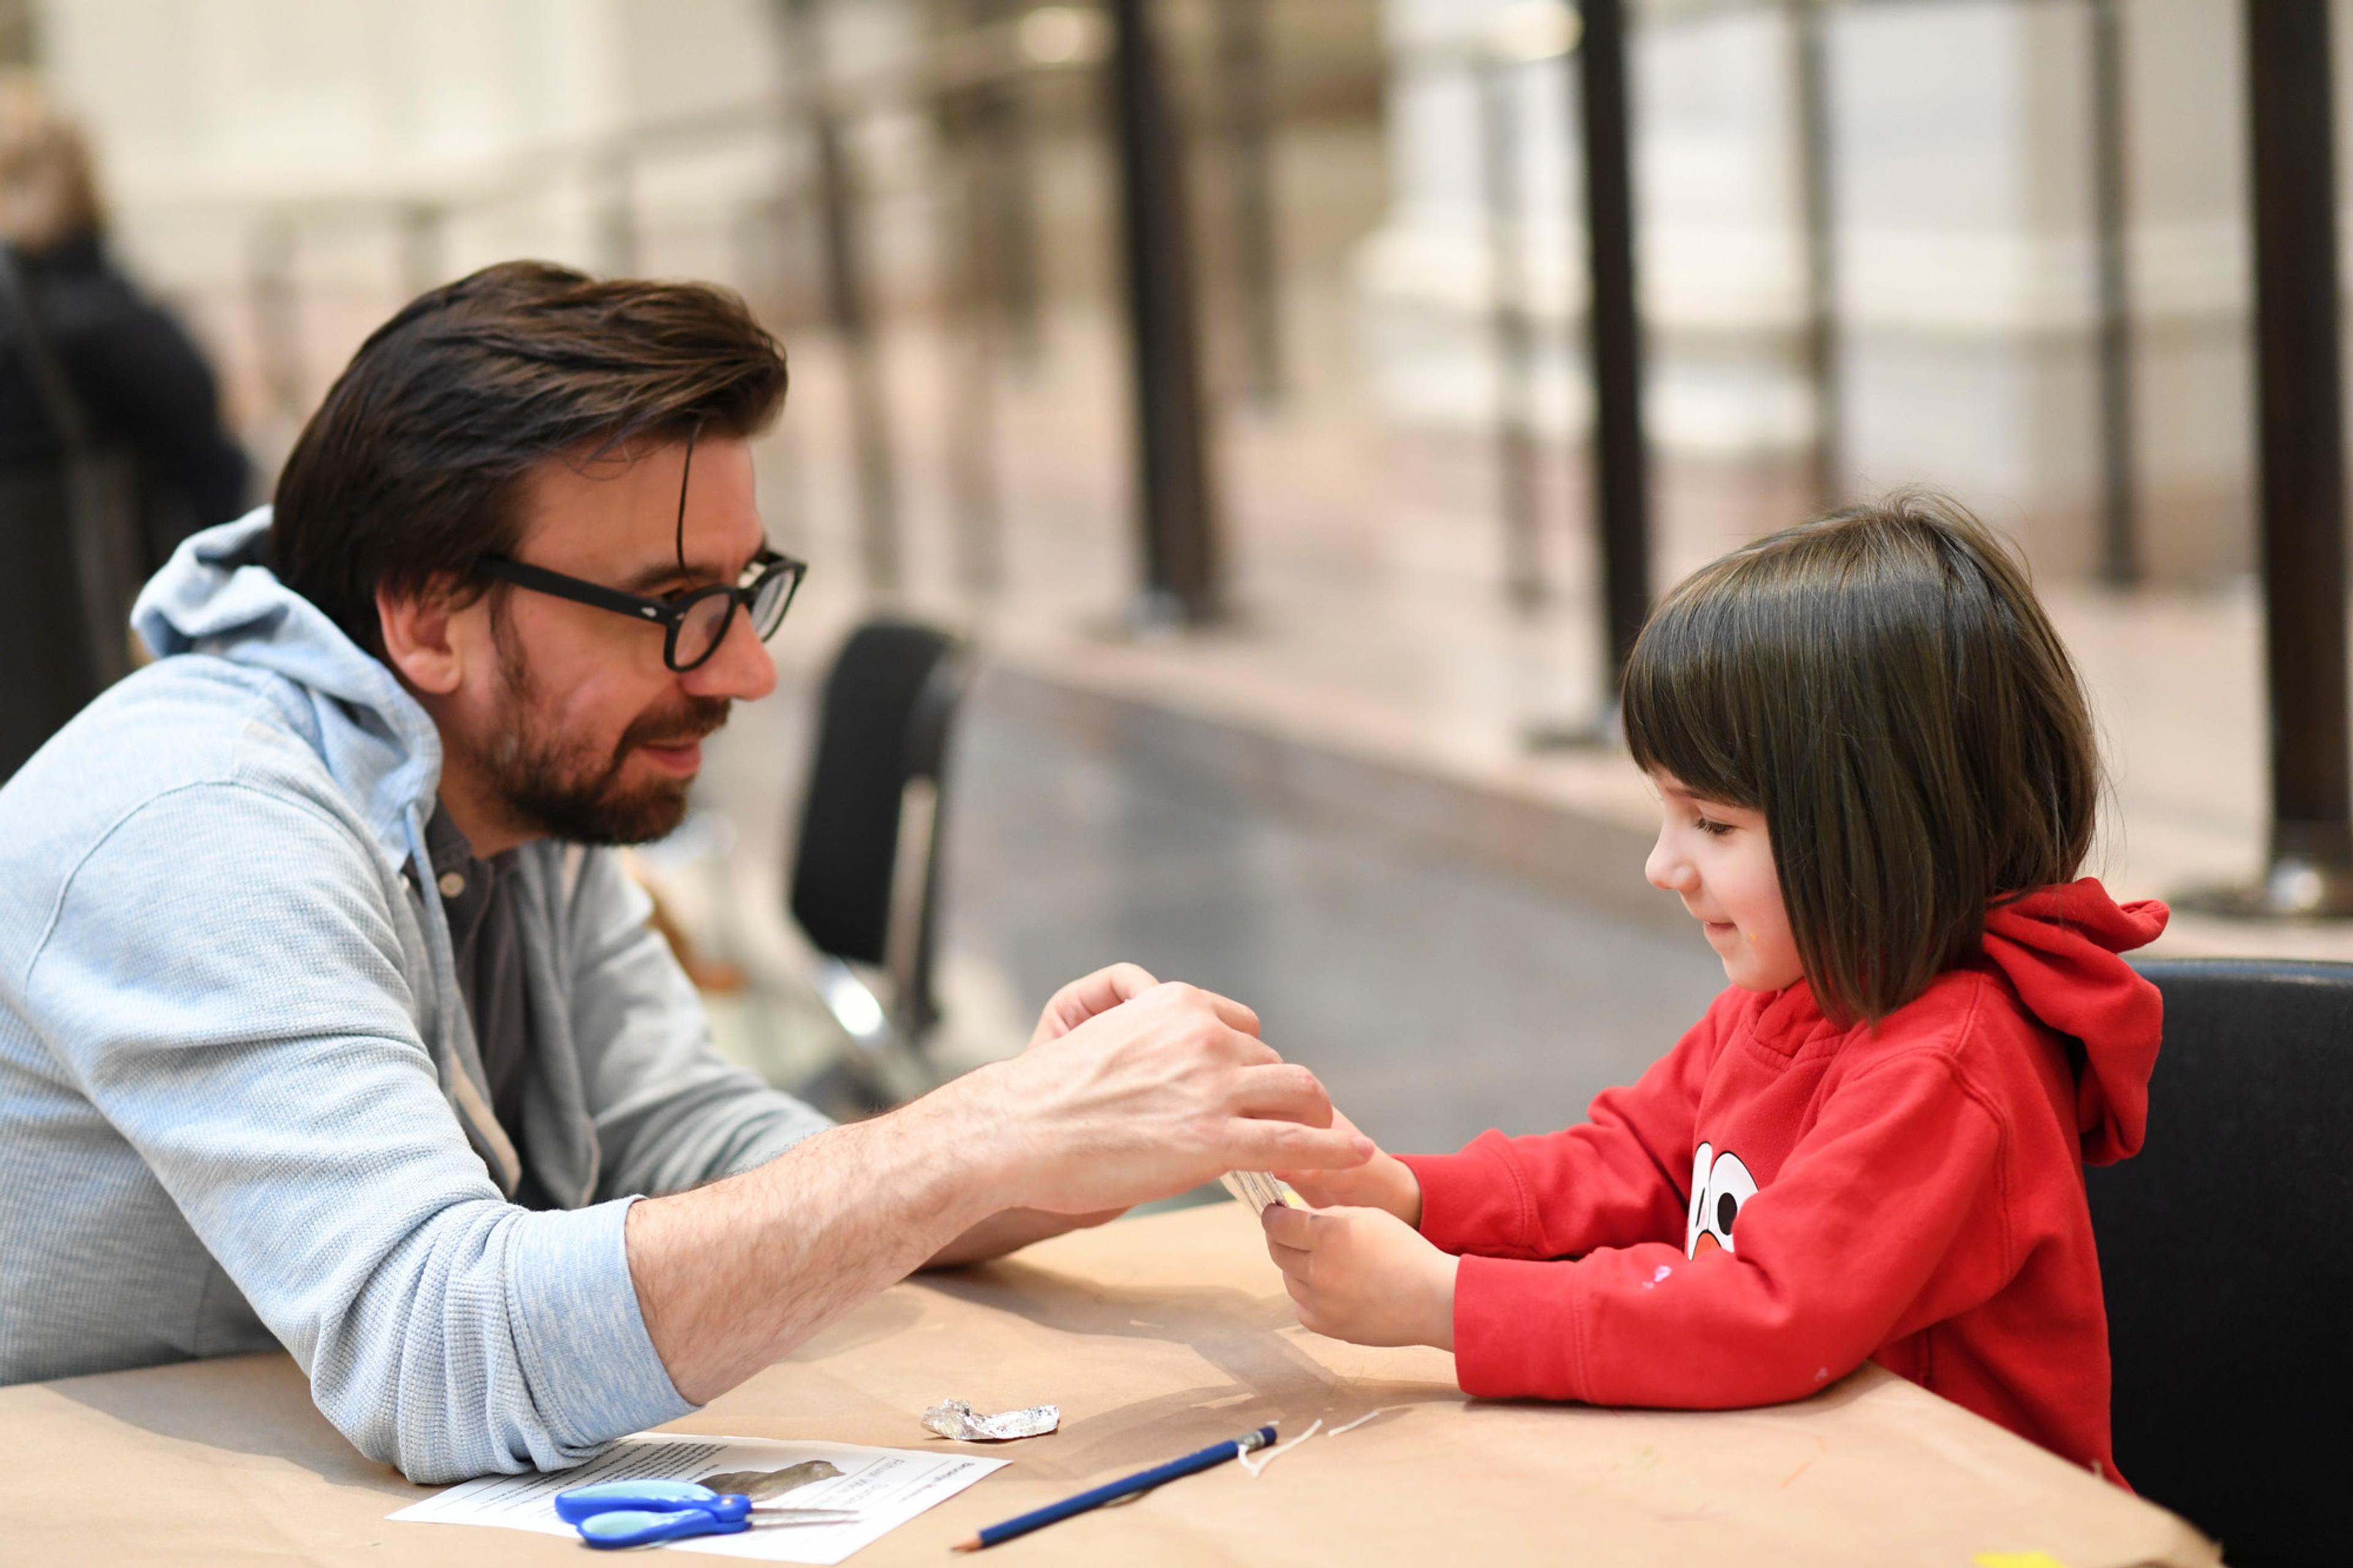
<point>888,1487</point>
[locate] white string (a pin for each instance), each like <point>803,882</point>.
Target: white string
<point>1360,1420</point>
<point>1257,1465</point>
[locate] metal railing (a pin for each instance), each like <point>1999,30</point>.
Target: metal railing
<point>970,76</point>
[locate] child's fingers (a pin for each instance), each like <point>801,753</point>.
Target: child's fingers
<point>1308,1310</point>
<point>1289,1227</point>
<point>1290,1259</point>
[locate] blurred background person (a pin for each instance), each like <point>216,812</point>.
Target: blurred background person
<point>111,446</point>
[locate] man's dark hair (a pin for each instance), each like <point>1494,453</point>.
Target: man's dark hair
<point>408,470</point>
<point>1883,687</point>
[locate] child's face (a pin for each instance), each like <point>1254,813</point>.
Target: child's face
<point>1719,859</point>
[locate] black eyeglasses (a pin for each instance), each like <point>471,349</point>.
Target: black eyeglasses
<point>693,624</point>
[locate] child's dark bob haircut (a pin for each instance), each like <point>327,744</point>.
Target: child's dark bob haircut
<point>1883,687</point>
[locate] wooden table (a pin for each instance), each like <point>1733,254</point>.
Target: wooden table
<point>1156,1336</point>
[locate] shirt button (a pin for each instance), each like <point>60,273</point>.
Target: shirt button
<point>452,884</point>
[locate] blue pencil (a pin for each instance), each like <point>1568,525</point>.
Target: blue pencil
<point>1111,1491</point>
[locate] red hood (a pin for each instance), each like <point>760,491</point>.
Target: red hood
<point>2058,947</point>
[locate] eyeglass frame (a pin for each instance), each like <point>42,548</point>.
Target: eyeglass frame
<point>668,613</point>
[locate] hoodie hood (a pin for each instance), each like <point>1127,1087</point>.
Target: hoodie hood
<point>216,596</point>
<point>2059,948</point>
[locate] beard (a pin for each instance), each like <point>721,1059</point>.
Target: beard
<point>571,789</point>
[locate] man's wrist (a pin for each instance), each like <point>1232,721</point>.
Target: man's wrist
<point>975,1123</point>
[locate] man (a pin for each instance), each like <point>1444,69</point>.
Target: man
<point>318,1021</point>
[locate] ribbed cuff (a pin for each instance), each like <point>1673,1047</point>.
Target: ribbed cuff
<point>1473,1201</point>
<point>1517,1331</point>
<point>1441,1181</point>
<point>593,1368</point>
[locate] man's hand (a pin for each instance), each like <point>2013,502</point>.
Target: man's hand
<point>1364,1276</point>
<point>1132,1091</point>
<point>1383,1182</point>
<point>1098,992</point>
<point>1153,1094</point>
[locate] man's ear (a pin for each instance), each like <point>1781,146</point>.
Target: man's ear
<point>418,635</point>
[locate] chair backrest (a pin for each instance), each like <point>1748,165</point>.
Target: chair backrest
<point>2228,1286</point>
<point>866,872</point>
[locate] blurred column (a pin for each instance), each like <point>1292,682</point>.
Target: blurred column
<point>19,43</point>
<point>972,251</point>
<point>2119,543</point>
<point>615,176</point>
<point>1183,568</point>
<point>2300,405</point>
<point>1809,46</point>
<point>1621,455</point>
<point>273,296</point>
<point>1514,341</point>
<point>1243,76</point>
<point>423,246</point>
<point>800,34</point>
<point>1001,127</point>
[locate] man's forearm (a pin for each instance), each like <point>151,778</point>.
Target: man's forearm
<point>731,1276</point>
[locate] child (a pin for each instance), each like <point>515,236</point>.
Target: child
<point>1879,778</point>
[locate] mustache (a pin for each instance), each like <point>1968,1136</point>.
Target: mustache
<point>680,726</point>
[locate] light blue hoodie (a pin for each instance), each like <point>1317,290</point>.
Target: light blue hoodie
<point>241,1100</point>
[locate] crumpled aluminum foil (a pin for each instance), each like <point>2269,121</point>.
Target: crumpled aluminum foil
<point>953,1418</point>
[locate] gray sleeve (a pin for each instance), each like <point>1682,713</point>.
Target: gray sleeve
<point>671,1113</point>
<point>223,978</point>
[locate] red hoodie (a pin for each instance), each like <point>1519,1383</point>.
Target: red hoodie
<point>1779,1198</point>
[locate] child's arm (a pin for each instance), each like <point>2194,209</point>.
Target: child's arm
<point>1833,1257</point>
<point>1618,1178</point>
<point>1383,1182</point>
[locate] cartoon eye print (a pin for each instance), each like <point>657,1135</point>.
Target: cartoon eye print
<point>1721,1188</point>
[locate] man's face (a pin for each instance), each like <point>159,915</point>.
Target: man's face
<point>576,727</point>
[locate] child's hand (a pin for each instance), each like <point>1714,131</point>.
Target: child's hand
<point>1383,1182</point>
<point>1363,1275</point>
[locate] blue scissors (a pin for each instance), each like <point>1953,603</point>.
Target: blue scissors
<point>639,1513</point>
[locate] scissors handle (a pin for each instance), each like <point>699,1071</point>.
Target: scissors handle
<point>650,1496</point>
<point>639,1527</point>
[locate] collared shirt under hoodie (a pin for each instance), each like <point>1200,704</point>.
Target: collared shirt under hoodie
<point>1780,1197</point>
<point>478,898</point>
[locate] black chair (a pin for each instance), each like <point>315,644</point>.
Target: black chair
<point>2228,1285</point>
<point>866,874</point>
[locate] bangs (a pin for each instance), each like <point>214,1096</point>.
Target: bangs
<point>1686,710</point>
